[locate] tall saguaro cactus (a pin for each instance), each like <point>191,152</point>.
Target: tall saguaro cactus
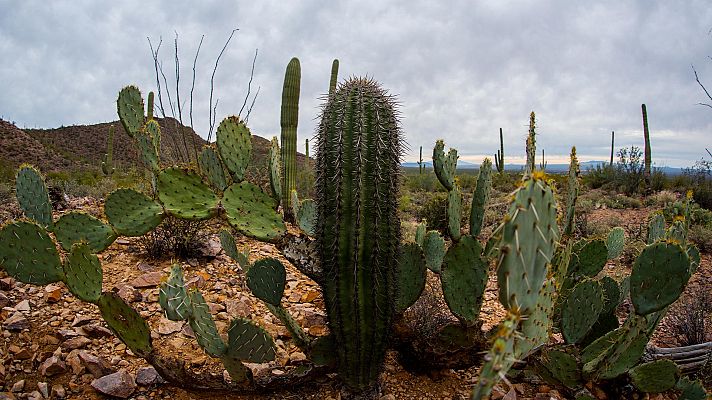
<point>646,133</point>
<point>421,166</point>
<point>288,122</point>
<point>358,231</point>
<point>499,157</point>
<point>107,162</point>
<point>334,76</point>
<point>531,145</point>
<point>613,137</point>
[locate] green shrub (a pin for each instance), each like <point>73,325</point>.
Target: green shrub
<point>434,210</point>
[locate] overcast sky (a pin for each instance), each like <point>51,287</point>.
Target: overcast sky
<point>461,69</point>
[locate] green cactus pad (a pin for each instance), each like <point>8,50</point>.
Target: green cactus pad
<point>420,230</point>
<point>563,368</point>
<point>173,297</point>
<point>184,194</point>
<point>590,258</point>
<point>299,336</point>
<point>153,131</point>
<point>212,168</point>
<point>572,193</point>
<point>529,239</point>
<point>76,227</point>
<point>306,215</point>
<point>147,149</point>
<point>32,196</point>
<point>581,310</point>
<point>248,342</point>
<point>444,166</point>
<point>454,212</point>
<point>411,276</point>
<point>694,253</point>
<point>252,212</point>
<point>691,390</point>
<point>83,274</point>
<point>605,324</point>
<point>275,168</point>
<point>611,294</point>
<point>616,352</point>
<point>499,358</point>
<point>132,213</point>
<point>230,248</point>
<point>203,325</point>
<point>28,254</point>
<point>655,377</point>
<point>480,197</point>
<point>130,108</point>
<point>659,276</point>
<point>464,277</point>
<point>294,202</point>
<point>239,372</point>
<point>677,233</point>
<point>434,249</point>
<point>126,323</point>
<point>615,242</point>
<point>266,279</point>
<point>536,327</point>
<point>656,227</point>
<point>234,142</point>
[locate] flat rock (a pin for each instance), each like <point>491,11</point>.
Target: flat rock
<point>148,376</point>
<point>149,279</point>
<point>16,322</point>
<point>53,366</point>
<point>4,300</point>
<point>81,320</point>
<point>166,326</point>
<point>96,365</point>
<point>75,343</point>
<point>119,384</point>
<point>95,331</point>
<point>24,305</point>
<point>7,283</point>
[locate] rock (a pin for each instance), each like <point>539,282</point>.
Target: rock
<point>35,395</point>
<point>166,326</point>
<point>53,293</point>
<point>81,320</point>
<point>19,353</point>
<point>4,300</point>
<point>16,322</point>
<point>75,343</point>
<point>43,387</point>
<point>7,396</point>
<point>127,293</point>
<point>75,363</point>
<point>58,391</point>
<point>18,386</point>
<point>146,267</point>
<point>239,308</point>
<point>96,331</point>
<point>96,365</point>
<point>148,376</point>
<point>388,397</point>
<point>24,305</point>
<point>119,384</point>
<point>195,282</point>
<point>53,366</point>
<point>7,283</point>
<point>149,279</point>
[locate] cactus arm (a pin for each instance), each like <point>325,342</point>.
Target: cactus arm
<point>288,123</point>
<point>334,76</point>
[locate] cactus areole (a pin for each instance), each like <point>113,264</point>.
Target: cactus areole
<point>358,230</point>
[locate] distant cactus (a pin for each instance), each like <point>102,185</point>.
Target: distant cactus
<point>288,122</point>
<point>613,137</point>
<point>421,166</point>
<point>499,157</point>
<point>531,145</point>
<point>306,151</point>
<point>646,134</point>
<point>573,189</point>
<point>107,161</point>
<point>543,163</point>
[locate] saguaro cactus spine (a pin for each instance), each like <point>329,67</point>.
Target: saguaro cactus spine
<point>289,119</point>
<point>357,223</point>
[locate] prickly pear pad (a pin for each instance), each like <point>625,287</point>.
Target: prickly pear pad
<point>184,194</point>
<point>234,142</point>
<point>130,109</point>
<point>306,215</point>
<point>480,197</point>
<point>252,212</point>
<point>212,168</point>
<point>659,276</point>
<point>444,165</point>
<point>83,274</point>
<point>581,310</point>
<point>411,276</point>
<point>203,325</point>
<point>529,238</point>
<point>249,342</point>
<point>32,196</point>
<point>434,248</point>
<point>172,296</point>
<point>275,168</point>
<point>655,377</point>
<point>590,258</point>
<point>28,254</point>
<point>464,277</point>
<point>132,213</point>
<point>266,279</point>
<point>126,323</point>
<point>76,227</point>
<point>454,212</point>
<point>615,242</point>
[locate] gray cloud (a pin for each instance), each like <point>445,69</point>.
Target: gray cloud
<point>461,70</point>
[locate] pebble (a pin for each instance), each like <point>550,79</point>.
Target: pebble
<point>18,386</point>
<point>53,366</point>
<point>148,376</point>
<point>119,384</point>
<point>16,322</point>
<point>24,305</point>
<point>43,387</point>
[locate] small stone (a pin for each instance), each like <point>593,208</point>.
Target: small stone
<point>58,391</point>
<point>96,365</point>
<point>297,356</point>
<point>127,293</point>
<point>388,397</point>
<point>4,300</point>
<point>96,331</point>
<point>148,376</point>
<point>53,293</point>
<point>43,387</point>
<point>7,283</point>
<point>16,322</point>
<point>53,366</point>
<point>19,353</point>
<point>149,279</point>
<point>166,326</point>
<point>119,384</point>
<point>24,305</point>
<point>34,395</point>
<point>195,282</point>
<point>75,343</point>
<point>81,320</point>
<point>146,267</point>
<point>18,386</point>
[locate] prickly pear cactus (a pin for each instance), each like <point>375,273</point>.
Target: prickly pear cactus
<point>454,212</point>
<point>615,242</point>
<point>500,358</point>
<point>131,213</point>
<point>234,143</point>
<point>305,216</point>
<point>252,212</point>
<point>464,278</point>
<point>411,276</point>
<point>173,297</point>
<point>212,168</point>
<point>76,227</point>
<point>267,279</point>
<point>227,241</point>
<point>83,274</point>
<point>358,231</point>
<point>32,195</point>
<point>480,197</point>
<point>275,173</point>
<point>126,323</point>
<point>420,230</point>
<point>130,108</point>
<point>659,276</point>
<point>573,186</point>
<point>655,377</point>
<point>581,310</point>
<point>434,248</point>
<point>656,227</point>
<point>29,254</point>
<point>184,194</point>
<point>444,165</point>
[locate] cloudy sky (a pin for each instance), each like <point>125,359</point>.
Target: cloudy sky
<point>461,69</point>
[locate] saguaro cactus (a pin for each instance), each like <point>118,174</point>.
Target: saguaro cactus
<point>334,76</point>
<point>420,161</point>
<point>290,117</point>
<point>358,230</point>
<point>107,162</point>
<point>646,133</point>
<point>531,145</point>
<point>613,137</point>
<point>499,157</point>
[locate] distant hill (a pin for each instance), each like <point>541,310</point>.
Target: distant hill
<point>551,168</point>
<point>81,147</point>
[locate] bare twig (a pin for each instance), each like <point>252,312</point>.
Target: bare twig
<point>154,54</point>
<point>703,88</point>
<point>249,84</point>
<point>249,110</point>
<point>192,86</point>
<point>211,116</point>
<point>179,126</point>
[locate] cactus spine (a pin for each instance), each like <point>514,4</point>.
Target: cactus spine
<point>531,145</point>
<point>358,231</point>
<point>289,119</point>
<point>613,136</point>
<point>499,157</point>
<point>334,76</point>
<point>646,133</point>
<point>107,162</point>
